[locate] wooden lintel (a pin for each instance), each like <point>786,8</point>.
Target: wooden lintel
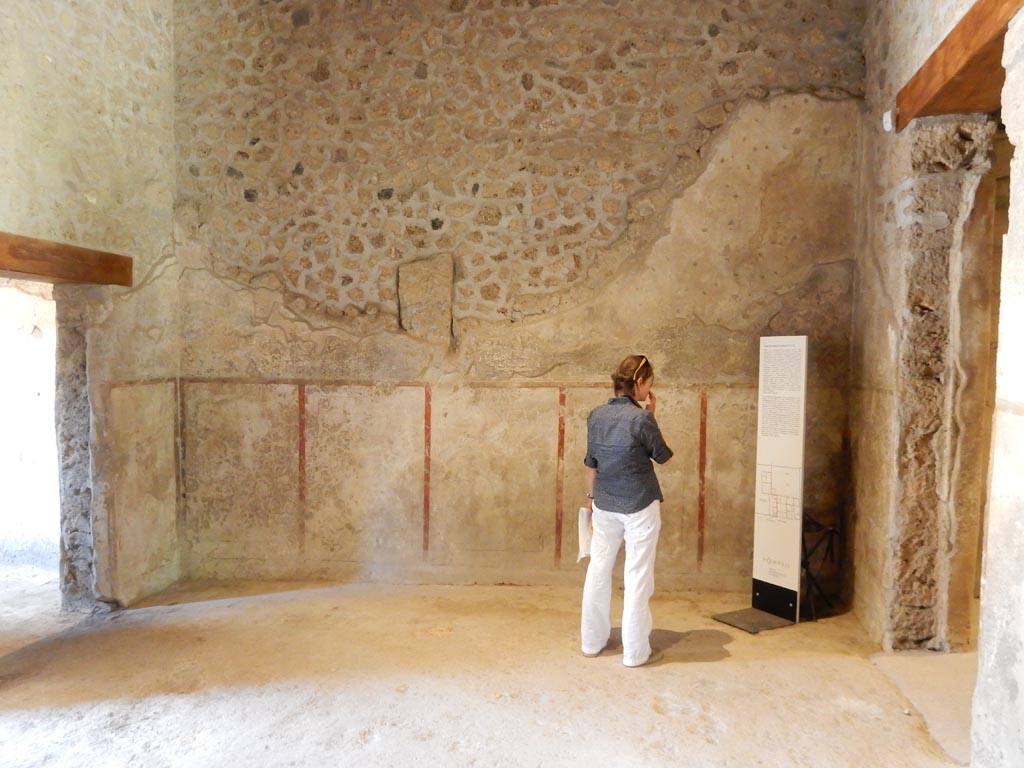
<point>965,73</point>
<point>26,258</point>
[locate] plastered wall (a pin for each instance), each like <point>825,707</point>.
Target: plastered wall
<point>86,148</point>
<point>998,706</point>
<point>416,238</point>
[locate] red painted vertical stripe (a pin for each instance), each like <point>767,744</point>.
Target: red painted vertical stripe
<point>559,479</point>
<point>426,471</point>
<point>702,463</point>
<point>302,467</point>
<point>179,457</point>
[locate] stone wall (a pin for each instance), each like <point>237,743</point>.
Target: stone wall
<point>86,158</point>
<point>322,146</point>
<point>410,241</point>
<point>915,360</point>
<point>416,238</point>
<point>998,704</point>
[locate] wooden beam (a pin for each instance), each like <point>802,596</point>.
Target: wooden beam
<point>26,258</point>
<point>965,73</point>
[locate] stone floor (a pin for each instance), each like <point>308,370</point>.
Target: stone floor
<point>940,686</point>
<point>375,675</point>
<point>29,607</point>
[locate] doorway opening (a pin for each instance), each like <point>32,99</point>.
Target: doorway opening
<point>30,597</point>
<point>29,482</point>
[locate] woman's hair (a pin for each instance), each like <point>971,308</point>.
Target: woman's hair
<point>629,372</point>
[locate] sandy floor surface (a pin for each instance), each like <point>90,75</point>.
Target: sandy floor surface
<point>374,675</point>
<point>29,607</point>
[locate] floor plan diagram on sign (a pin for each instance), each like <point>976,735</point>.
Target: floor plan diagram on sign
<point>778,492</point>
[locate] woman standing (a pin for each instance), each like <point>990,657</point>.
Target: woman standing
<point>625,501</point>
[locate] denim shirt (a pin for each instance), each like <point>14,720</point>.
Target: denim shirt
<point>622,438</point>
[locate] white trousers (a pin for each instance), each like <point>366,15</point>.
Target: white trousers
<point>640,532</point>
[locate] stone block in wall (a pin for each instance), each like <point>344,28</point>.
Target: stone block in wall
<point>921,422</point>
<point>928,210</point>
<point>915,626</point>
<point>926,342</point>
<point>913,614</point>
<point>241,462</point>
<point>949,146</point>
<point>493,477</point>
<point>425,297</point>
<point>364,486</point>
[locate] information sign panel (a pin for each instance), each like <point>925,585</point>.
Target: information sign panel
<point>779,490</point>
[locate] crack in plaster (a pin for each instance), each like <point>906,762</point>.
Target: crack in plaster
<point>264,318</point>
<point>516,373</point>
<point>167,258</point>
<point>707,325</point>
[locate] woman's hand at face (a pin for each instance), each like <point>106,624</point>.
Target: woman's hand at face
<point>652,401</point>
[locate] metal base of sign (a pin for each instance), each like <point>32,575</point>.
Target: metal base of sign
<point>752,620</point>
<point>771,598</point>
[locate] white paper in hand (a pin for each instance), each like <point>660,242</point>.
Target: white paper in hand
<point>586,531</point>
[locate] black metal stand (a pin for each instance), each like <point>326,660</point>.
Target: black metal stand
<point>827,535</point>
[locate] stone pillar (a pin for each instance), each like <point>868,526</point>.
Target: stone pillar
<point>948,160</point>
<point>77,568</point>
<point>997,736</point>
